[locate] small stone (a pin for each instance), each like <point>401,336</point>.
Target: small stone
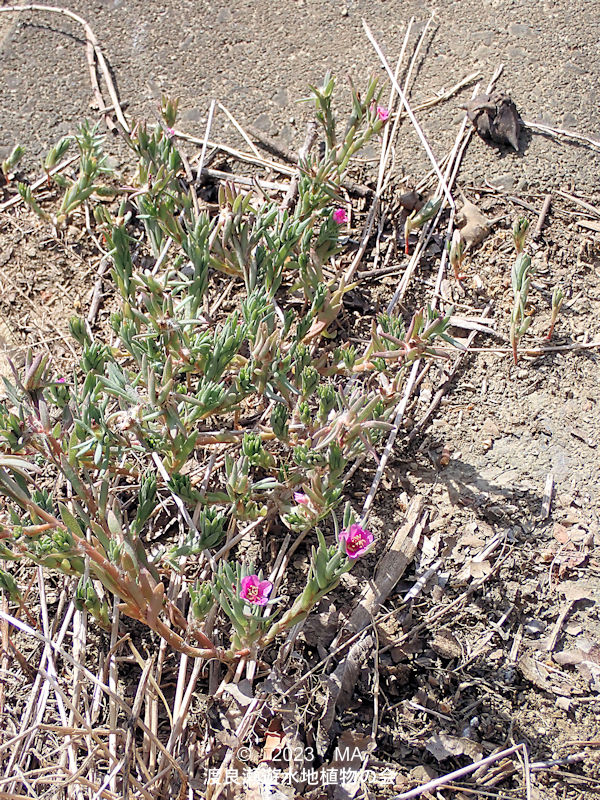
<point>263,122</point>
<point>518,29</point>
<point>504,181</point>
<point>280,98</point>
<point>535,627</point>
<point>490,427</point>
<point>344,11</point>
<point>563,703</point>
<point>572,518</point>
<point>570,121</point>
<point>192,115</point>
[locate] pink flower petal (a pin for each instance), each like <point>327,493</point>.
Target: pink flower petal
<point>356,541</point>
<point>340,217</point>
<point>255,591</point>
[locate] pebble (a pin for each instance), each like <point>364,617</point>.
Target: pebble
<point>535,626</point>
<point>563,703</point>
<point>504,181</point>
<point>518,29</point>
<point>192,115</point>
<point>280,97</point>
<point>263,122</point>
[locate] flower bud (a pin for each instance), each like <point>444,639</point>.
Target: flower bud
<point>279,421</point>
<point>310,381</point>
<point>520,233</point>
<point>202,600</point>
<point>456,253</point>
<point>9,585</point>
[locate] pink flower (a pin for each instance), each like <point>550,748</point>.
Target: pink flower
<point>340,217</point>
<point>356,541</point>
<point>382,113</point>
<point>301,498</point>
<point>60,380</point>
<point>171,132</point>
<point>255,591</point>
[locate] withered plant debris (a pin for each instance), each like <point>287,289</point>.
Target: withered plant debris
<point>474,226</point>
<point>495,118</point>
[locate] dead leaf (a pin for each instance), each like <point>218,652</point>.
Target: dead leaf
<point>391,567</point>
<point>442,746</point>
<point>535,672</point>
<point>586,657</point>
<point>423,773</point>
<point>411,201</point>
<point>322,627</point>
<point>349,755</point>
<point>576,590</point>
<point>474,569</point>
<point>560,533</point>
<point>226,710</point>
<point>262,782</point>
<point>274,741</point>
<point>495,118</point>
<point>471,540</point>
<point>573,561</point>
<point>473,225</point>
<point>565,556</point>
<point>445,644</point>
<point>241,692</point>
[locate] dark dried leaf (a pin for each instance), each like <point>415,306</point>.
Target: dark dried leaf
<point>411,201</point>
<point>321,627</point>
<point>495,118</point>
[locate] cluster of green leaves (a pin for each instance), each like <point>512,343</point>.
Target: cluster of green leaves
<point>93,167</point>
<point>175,379</point>
<point>521,275</point>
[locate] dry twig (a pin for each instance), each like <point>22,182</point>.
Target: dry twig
<point>93,48</point>
<point>430,786</point>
